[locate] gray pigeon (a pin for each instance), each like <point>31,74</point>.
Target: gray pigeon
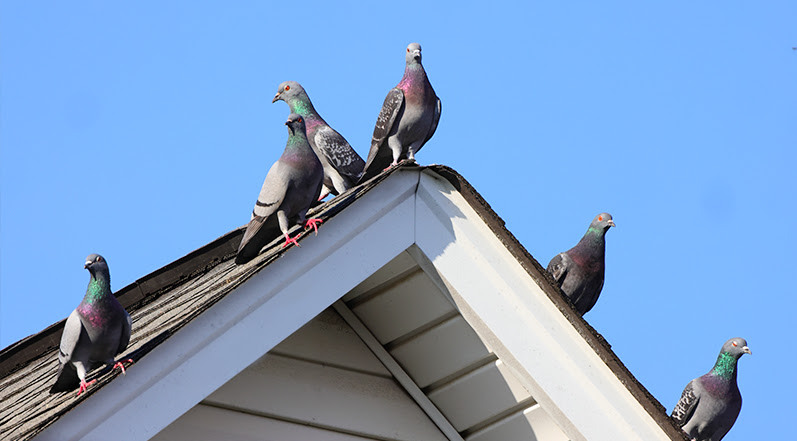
<point>710,404</point>
<point>291,186</point>
<point>342,165</point>
<point>97,330</point>
<point>408,118</point>
<point>579,271</point>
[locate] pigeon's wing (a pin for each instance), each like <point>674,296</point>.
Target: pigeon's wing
<point>558,267</point>
<point>257,234</point>
<point>127,325</point>
<point>435,119</point>
<point>339,153</point>
<point>275,186</point>
<point>686,405</point>
<point>380,156</point>
<point>73,334</point>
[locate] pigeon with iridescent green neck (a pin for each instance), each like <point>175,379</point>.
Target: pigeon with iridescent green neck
<point>710,404</point>
<point>342,165</point>
<point>579,271</point>
<point>290,188</point>
<point>408,118</point>
<point>97,330</point>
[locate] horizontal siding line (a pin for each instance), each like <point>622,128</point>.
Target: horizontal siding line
<point>327,364</point>
<point>491,422</point>
<point>246,411</point>
<point>453,377</point>
<point>413,334</point>
<point>384,286</point>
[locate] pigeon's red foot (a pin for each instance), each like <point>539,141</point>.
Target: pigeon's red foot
<point>312,223</point>
<point>120,364</point>
<point>84,386</point>
<point>290,240</point>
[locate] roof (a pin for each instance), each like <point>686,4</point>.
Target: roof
<point>170,298</point>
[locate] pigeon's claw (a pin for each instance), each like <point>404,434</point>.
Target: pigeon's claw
<point>84,385</point>
<point>290,240</point>
<point>313,223</point>
<point>120,364</point>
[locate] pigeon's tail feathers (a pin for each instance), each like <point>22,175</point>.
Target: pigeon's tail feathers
<point>67,379</point>
<point>259,232</point>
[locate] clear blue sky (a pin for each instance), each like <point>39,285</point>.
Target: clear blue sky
<point>144,131</point>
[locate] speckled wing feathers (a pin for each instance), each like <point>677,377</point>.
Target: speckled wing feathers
<point>558,267</point>
<point>339,153</point>
<point>686,405</point>
<point>380,156</point>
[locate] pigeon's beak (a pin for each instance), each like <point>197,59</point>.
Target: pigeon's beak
<point>746,350</point>
<point>288,123</point>
<point>416,55</point>
<point>611,223</point>
<point>87,264</point>
<point>276,97</point>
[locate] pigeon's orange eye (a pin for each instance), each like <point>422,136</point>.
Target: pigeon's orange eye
<point>408,49</point>
<point>733,343</point>
<point>600,218</point>
<point>287,88</point>
<point>98,259</point>
<point>299,120</point>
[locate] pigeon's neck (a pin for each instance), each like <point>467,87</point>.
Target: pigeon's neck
<point>414,77</point>
<point>303,106</point>
<point>298,145</point>
<point>99,286</point>
<point>725,367</point>
<point>593,243</point>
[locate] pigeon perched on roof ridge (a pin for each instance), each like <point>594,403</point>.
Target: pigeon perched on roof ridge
<point>291,186</point>
<point>579,271</point>
<point>97,330</point>
<point>342,165</point>
<point>710,404</point>
<point>407,120</point>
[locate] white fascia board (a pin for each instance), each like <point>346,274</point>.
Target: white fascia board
<point>561,370</point>
<point>247,323</point>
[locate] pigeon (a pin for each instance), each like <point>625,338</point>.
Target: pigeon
<point>97,330</point>
<point>579,271</point>
<point>710,404</point>
<point>408,118</point>
<point>291,186</point>
<point>342,165</point>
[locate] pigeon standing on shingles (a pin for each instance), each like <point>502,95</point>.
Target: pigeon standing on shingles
<point>342,165</point>
<point>579,271</point>
<point>97,330</point>
<point>710,404</point>
<point>408,118</point>
<point>291,186</point>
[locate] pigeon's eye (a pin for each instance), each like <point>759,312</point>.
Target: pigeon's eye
<point>287,88</point>
<point>299,120</point>
<point>98,259</point>
<point>600,218</point>
<point>408,49</point>
<point>734,343</point>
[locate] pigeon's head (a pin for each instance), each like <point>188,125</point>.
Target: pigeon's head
<point>736,347</point>
<point>295,123</point>
<point>602,222</point>
<point>413,53</point>
<point>288,90</point>
<point>95,263</point>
